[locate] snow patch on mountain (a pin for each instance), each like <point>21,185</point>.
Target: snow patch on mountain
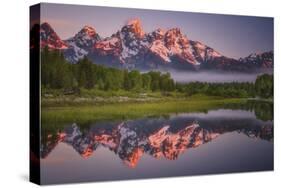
<point>133,48</point>
<point>81,44</point>
<point>127,51</point>
<point>158,48</point>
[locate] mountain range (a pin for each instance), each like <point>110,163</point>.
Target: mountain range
<point>132,48</point>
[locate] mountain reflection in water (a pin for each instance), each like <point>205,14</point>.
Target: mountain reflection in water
<point>161,138</point>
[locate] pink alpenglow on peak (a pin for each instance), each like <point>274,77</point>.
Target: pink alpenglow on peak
<point>131,47</point>
<point>135,26</point>
<point>48,37</point>
<point>90,31</point>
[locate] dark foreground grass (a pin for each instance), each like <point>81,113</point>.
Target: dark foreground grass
<point>124,111</point>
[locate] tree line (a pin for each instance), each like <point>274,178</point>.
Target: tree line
<point>57,73</point>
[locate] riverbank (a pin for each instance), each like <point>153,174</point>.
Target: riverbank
<point>83,112</point>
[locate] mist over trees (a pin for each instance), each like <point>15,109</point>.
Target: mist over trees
<point>57,73</point>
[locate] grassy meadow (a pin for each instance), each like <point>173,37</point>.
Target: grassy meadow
<point>93,111</point>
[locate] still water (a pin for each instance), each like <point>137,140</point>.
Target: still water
<point>218,141</point>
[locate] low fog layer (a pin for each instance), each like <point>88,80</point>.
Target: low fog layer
<point>208,76</point>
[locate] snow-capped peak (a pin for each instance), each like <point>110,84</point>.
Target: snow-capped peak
<point>134,21</point>
<point>46,25</point>
<point>134,26</point>
<point>81,44</point>
<point>131,47</point>
<point>160,31</point>
<point>264,60</point>
<point>88,30</point>
<point>50,38</point>
<point>204,52</point>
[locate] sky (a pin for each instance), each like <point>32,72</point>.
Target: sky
<point>232,36</point>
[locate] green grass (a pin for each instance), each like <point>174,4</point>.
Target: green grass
<point>128,110</point>
<point>86,97</point>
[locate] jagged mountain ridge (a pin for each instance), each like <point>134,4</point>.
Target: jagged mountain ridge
<point>131,47</point>
<point>48,37</point>
<point>81,44</point>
